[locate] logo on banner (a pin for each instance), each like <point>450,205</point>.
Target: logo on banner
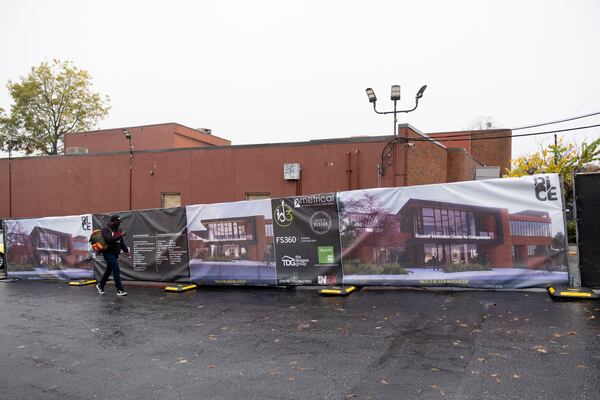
<point>296,261</point>
<point>325,279</point>
<point>316,199</point>
<point>326,254</point>
<point>544,191</point>
<point>284,215</point>
<point>85,223</point>
<point>320,222</point>
<point>286,239</point>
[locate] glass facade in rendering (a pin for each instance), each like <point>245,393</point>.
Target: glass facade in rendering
<point>440,221</point>
<point>529,228</point>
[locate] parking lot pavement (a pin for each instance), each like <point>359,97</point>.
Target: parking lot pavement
<point>61,342</point>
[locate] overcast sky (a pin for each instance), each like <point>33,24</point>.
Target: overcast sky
<point>278,71</point>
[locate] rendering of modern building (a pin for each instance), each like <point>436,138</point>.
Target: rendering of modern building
<point>531,238</point>
<point>429,234</point>
<point>50,249</point>
<point>242,238</point>
<point>167,165</point>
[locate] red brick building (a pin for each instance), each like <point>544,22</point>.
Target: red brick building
<point>172,164</point>
<point>148,137</point>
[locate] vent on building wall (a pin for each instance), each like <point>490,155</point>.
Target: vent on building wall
<point>77,150</point>
<point>205,130</point>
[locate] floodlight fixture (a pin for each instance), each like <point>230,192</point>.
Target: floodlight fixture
<point>388,153</point>
<point>371,94</point>
<point>395,92</point>
<point>127,134</point>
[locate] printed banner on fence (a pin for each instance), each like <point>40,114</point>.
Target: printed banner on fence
<point>157,240</point>
<point>49,248</point>
<point>231,243</point>
<point>500,233</point>
<point>307,241</point>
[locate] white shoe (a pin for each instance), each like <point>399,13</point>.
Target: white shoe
<point>99,289</point>
<point>121,293</point>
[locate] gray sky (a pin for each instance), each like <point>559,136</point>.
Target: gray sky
<point>277,71</point>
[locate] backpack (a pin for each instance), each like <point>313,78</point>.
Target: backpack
<point>97,241</point>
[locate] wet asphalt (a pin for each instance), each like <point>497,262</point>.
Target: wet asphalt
<point>61,342</point>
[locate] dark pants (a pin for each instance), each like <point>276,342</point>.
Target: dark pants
<point>112,265</point>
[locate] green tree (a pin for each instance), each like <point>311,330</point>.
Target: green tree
<point>3,122</point>
<point>8,135</point>
<point>53,99</point>
<point>563,159</point>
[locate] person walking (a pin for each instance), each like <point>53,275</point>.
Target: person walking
<point>113,236</point>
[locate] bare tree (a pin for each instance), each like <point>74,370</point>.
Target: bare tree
<point>483,122</point>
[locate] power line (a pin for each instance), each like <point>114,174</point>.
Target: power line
<point>466,136</point>
<point>557,122</point>
<point>435,139</point>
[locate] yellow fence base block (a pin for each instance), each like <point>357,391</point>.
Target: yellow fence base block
<point>180,288</point>
<point>564,293</point>
<point>83,282</point>
<point>337,290</point>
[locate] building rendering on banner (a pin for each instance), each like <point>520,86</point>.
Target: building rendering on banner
<point>242,238</point>
<point>430,234</point>
<point>167,165</point>
<point>51,248</point>
<point>423,234</point>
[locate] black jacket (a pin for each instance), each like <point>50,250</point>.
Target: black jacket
<point>114,240</point>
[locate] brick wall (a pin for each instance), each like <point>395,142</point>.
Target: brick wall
<point>66,185</point>
<point>427,161</point>
<point>493,151</point>
<point>148,137</point>
<point>461,165</point>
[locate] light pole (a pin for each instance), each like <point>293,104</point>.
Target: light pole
<point>388,151</point>
<point>128,137</point>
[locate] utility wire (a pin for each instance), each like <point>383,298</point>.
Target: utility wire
<point>437,139</point>
<point>467,135</point>
<point>556,122</point>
